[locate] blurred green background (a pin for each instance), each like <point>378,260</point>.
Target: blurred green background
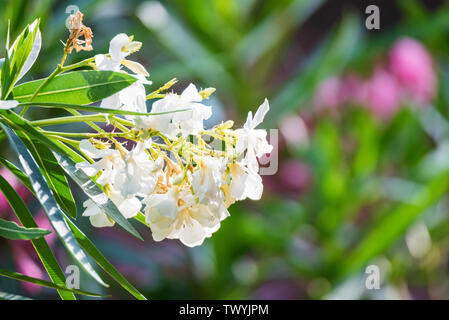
<point>363,175</point>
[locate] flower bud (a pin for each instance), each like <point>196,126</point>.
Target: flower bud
<point>206,93</point>
<point>178,179</point>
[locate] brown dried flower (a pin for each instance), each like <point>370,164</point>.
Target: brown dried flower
<point>78,30</point>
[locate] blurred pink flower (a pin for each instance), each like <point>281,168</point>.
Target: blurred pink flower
<point>294,175</point>
<point>294,130</point>
<point>42,222</point>
<point>351,89</point>
<point>26,264</point>
<point>25,257</point>
<point>409,77</point>
<point>328,94</point>
<point>412,65</point>
<point>381,93</point>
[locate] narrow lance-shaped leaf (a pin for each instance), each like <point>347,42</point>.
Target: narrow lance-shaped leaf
<point>48,202</point>
<point>43,283</point>
<point>84,87</point>
<point>17,57</point>
<point>40,245</point>
<point>53,174</point>
<point>89,247</point>
<point>2,60</point>
<point>35,49</point>
<point>16,171</point>
<point>392,226</point>
<point>11,230</point>
<point>91,189</point>
<point>4,77</point>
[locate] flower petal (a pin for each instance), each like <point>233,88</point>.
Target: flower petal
<point>260,114</point>
<point>135,67</point>
<point>116,45</point>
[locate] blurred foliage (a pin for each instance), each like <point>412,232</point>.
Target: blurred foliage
<point>373,184</point>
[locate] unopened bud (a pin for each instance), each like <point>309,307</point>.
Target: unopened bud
<point>206,93</point>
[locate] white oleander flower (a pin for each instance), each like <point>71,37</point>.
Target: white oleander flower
<point>196,223</point>
<point>185,197</point>
<point>128,207</point>
<point>244,184</point>
<point>207,179</point>
<point>111,164</point>
<point>176,215</point>
<point>253,140</point>
<point>120,47</point>
<point>161,210</point>
<point>133,97</point>
<point>185,122</point>
<point>97,216</point>
<point>141,173</point>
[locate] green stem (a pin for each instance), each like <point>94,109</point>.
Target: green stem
<point>89,123</point>
<point>70,134</point>
<point>77,65</point>
<point>141,218</point>
<point>71,142</point>
<point>116,123</point>
<point>86,135</point>
<point>94,126</point>
<point>70,119</point>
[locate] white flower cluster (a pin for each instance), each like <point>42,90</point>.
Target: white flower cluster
<point>180,182</point>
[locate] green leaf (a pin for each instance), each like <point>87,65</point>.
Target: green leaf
<point>53,173</point>
<point>40,245</point>
<point>13,120</point>
<point>35,49</point>
<point>11,230</point>
<point>63,156</point>
<point>17,60</point>
<point>141,218</point>
<point>48,202</point>
<point>4,77</point>
<point>17,172</point>
<point>90,248</point>
<point>43,283</point>
<point>2,60</point>
<point>392,226</point>
<point>84,87</point>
